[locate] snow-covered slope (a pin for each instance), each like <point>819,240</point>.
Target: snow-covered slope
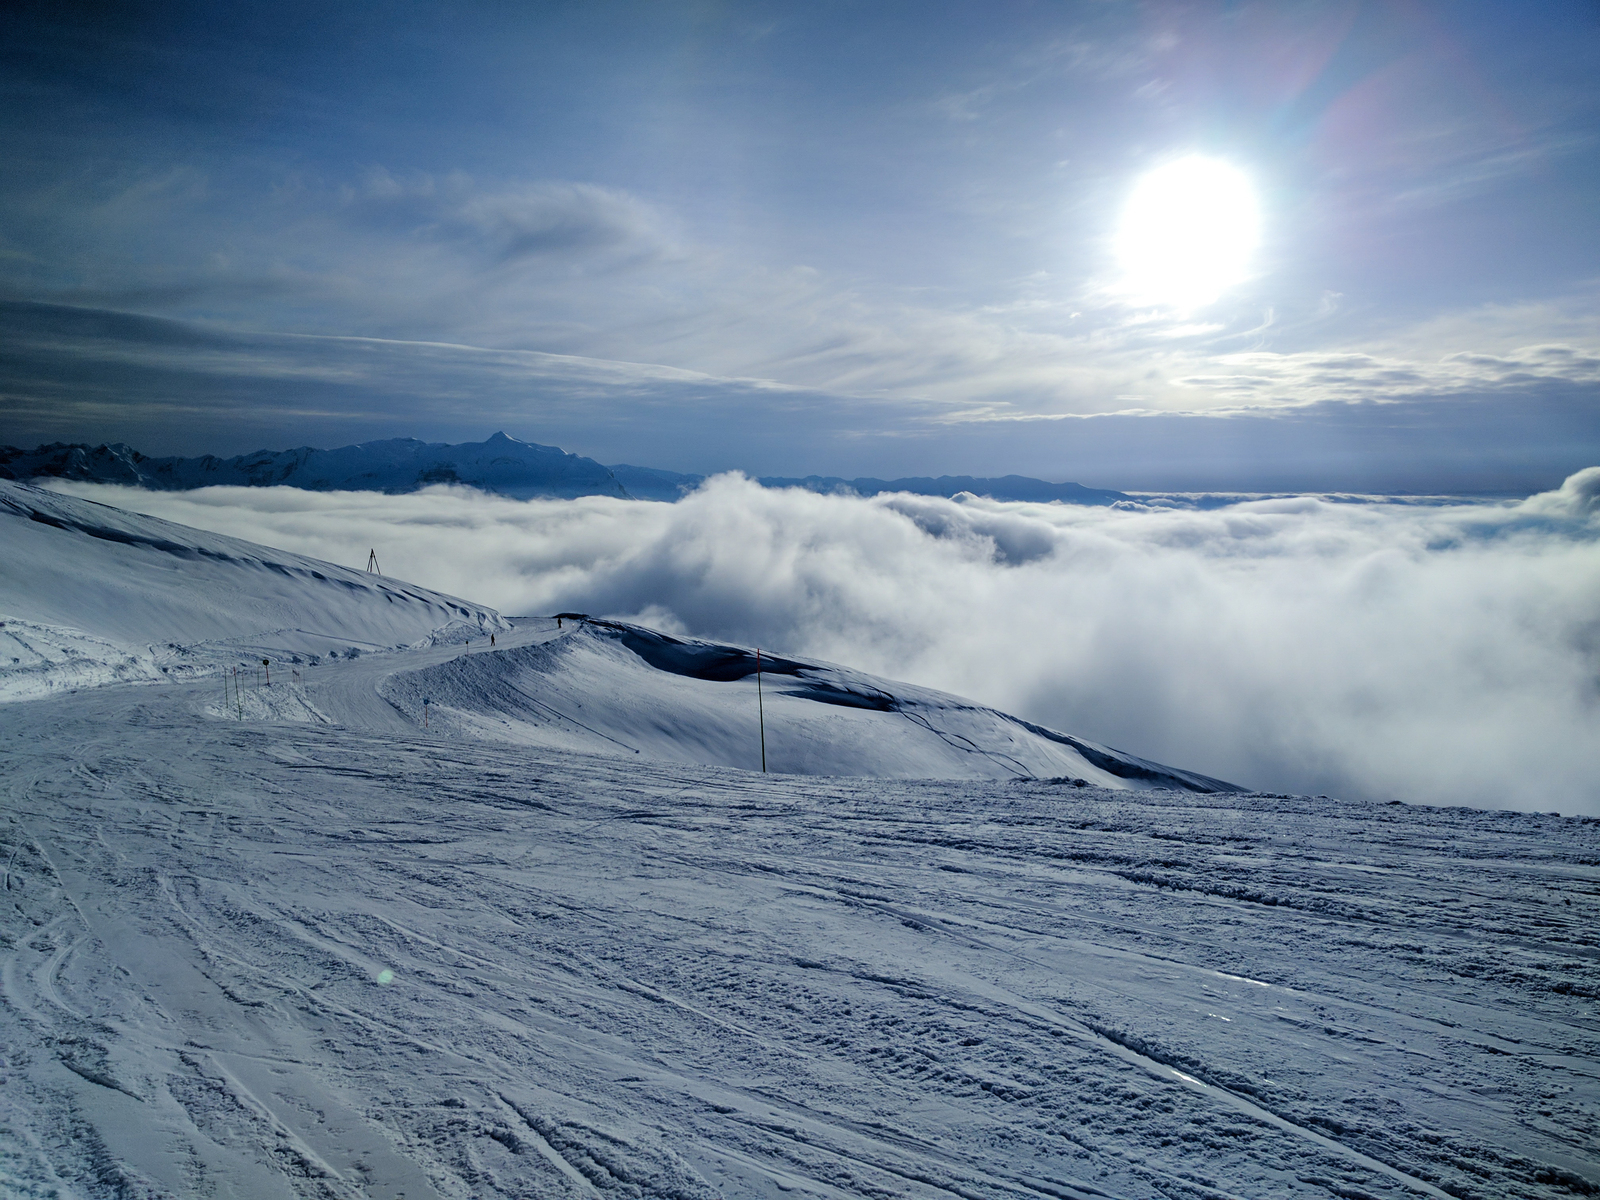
<point>92,594</point>
<point>371,958</point>
<point>613,688</point>
<point>314,962</point>
<point>500,464</point>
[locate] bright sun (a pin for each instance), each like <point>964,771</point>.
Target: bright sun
<point>1188,233</point>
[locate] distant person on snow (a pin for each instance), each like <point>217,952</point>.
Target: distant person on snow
<point>491,641</point>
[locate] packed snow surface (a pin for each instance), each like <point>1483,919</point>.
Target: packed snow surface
<point>253,958</point>
<point>300,939</point>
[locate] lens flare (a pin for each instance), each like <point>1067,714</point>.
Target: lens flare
<point>1188,233</point>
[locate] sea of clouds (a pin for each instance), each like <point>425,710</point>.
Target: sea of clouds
<point>1440,653</point>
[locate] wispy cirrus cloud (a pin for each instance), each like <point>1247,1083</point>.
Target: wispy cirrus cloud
<point>513,223</point>
<point>1309,377</point>
<point>65,371</point>
<point>872,262</point>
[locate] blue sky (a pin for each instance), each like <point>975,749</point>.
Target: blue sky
<point>843,238</point>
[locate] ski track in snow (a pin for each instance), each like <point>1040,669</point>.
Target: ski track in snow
<point>342,956</point>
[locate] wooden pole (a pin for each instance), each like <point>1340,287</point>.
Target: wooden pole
<point>761,712</point>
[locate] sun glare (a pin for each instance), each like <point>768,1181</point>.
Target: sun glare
<point>1188,233</point>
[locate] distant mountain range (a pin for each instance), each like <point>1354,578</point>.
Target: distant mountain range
<point>648,483</point>
<point>501,464</point>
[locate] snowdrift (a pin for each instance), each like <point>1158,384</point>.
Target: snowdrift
<point>91,594</point>
<point>613,688</point>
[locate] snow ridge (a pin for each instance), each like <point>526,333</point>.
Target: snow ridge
<point>606,686</point>
<point>91,594</point>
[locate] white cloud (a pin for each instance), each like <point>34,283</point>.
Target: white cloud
<point>1437,654</point>
<point>576,268</point>
<point>1308,377</point>
<point>511,223</point>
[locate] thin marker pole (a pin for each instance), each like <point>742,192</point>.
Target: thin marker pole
<point>761,711</point>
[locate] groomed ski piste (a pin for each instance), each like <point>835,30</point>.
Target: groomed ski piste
<point>559,936</point>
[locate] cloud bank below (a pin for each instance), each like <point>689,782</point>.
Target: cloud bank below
<point>1442,653</point>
